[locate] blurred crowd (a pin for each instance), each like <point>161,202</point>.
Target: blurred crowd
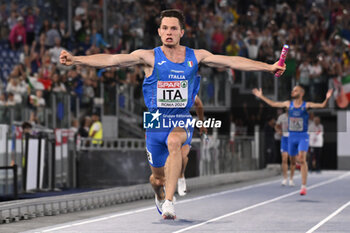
<point>317,31</point>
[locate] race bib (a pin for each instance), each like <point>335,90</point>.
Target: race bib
<point>172,94</point>
<point>149,156</point>
<point>296,124</point>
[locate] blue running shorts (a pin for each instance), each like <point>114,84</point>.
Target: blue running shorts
<point>297,142</point>
<point>284,144</point>
<point>157,145</point>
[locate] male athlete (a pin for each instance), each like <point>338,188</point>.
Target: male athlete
<point>181,183</point>
<point>298,141</point>
<point>169,69</point>
<point>281,127</point>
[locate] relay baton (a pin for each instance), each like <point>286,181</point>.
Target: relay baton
<point>282,58</point>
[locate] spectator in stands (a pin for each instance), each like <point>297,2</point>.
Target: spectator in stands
<point>38,103</point>
<point>18,35</point>
<point>304,76</point>
<point>252,43</point>
<point>85,127</point>
<point>2,99</point>
<point>57,84</point>
<point>39,46</point>
<point>315,75</point>
<point>74,128</point>
<point>115,34</point>
<point>232,49</point>
<point>46,71</point>
<point>17,90</point>
<point>45,27</point>
<point>97,39</point>
<point>56,51</point>
<point>10,99</point>
<point>12,20</point>
<point>218,39</point>
<point>37,100</point>
<point>96,131</point>
<point>51,35</point>
<point>30,21</point>
<point>316,132</point>
<point>88,93</point>
<point>64,34</point>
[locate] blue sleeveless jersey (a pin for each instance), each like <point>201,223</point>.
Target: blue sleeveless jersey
<point>298,118</point>
<point>172,87</point>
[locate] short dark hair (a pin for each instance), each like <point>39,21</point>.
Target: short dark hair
<point>26,125</point>
<point>173,13</point>
<point>301,86</point>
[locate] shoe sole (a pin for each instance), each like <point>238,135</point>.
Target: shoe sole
<point>182,194</point>
<point>169,217</point>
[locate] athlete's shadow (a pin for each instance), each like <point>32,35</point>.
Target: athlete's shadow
<point>309,201</point>
<point>178,222</point>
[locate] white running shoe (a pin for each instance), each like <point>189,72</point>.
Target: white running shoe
<point>168,210</point>
<point>284,182</point>
<point>291,183</point>
<point>159,204</point>
<point>181,186</point>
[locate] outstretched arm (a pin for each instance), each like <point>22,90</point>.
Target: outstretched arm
<point>258,93</point>
<point>200,113</point>
<point>323,104</point>
<point>236,62</point>
<point>106,60</point>
<point>278,128</point>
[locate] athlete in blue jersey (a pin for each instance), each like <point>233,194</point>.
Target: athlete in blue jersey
<point>298,141</point>
<point>169,90</point>
<point>281,128</point>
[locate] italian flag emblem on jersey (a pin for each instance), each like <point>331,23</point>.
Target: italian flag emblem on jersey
<point>190,63</point>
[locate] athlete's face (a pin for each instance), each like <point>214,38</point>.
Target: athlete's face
<point>297,92</point>
<point>170,31</point>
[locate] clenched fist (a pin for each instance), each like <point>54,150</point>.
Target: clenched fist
<point>66,58</point>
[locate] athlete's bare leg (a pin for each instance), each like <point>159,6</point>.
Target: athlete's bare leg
<point>285,165</point>
<point>173,163</point>
<point>292,160</point>
<point>303,166</point>
<point>157,180</point>
<point>185,150</point>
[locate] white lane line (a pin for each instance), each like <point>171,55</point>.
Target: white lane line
<point>328,218</point>
<point>91,220</point>
<point>260,204</point>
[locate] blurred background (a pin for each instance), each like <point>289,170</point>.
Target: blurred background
<point>48,111</point>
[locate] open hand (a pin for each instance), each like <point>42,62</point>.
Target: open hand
<point>257,92</point>
<point>66,58</point>
<point>329,93</point>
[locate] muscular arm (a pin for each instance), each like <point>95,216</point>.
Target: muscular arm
<point>320,105</point>
<point>145,57</point>
<point>235,62</point>
<point>276,104</point>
